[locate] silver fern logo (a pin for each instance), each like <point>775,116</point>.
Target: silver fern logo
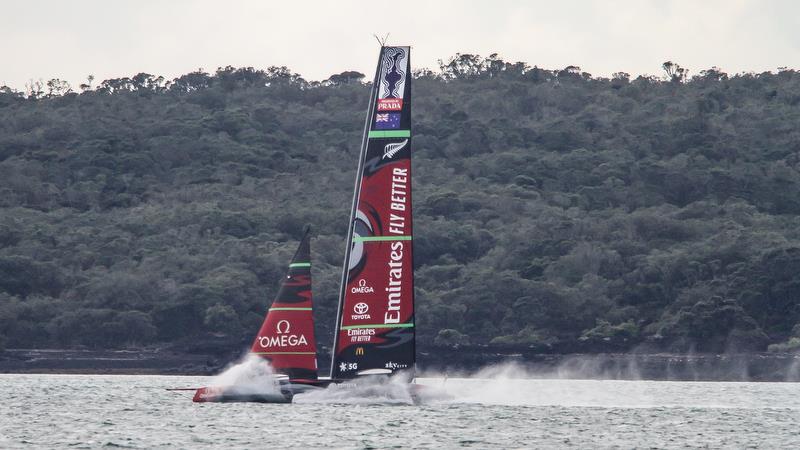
<point>391,149</point>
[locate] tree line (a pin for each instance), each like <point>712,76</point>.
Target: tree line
<point>553,209</point>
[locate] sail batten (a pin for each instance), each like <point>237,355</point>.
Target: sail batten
<point>380,325</point>
<point>375,316</point>
<point>389,134</point>
<point>380,238</point>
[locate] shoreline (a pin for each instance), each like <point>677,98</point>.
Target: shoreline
<point>772,367</point>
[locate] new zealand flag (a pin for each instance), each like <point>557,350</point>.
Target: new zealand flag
<point>387,121</point>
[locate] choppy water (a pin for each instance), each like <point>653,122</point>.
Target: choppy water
<point>90,411</point>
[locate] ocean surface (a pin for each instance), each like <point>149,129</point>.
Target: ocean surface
<point>107,411</point>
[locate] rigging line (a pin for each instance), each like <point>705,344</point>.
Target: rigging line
<point>354,207</point>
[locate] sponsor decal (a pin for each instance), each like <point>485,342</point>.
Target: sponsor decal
<point>390,104</point>
<point>397,226</point>
<point>391,149</point>
<point>344,367</point>
<point>395,366</point>
<point>359,351</point>
<point>284,337</point>
<point>360,311</point>
<point>360,331</point>
<point>398,199</point>
<point>285,324</point>
<point>361,334</point>
<point>387,121</point>
<point>362,289</point>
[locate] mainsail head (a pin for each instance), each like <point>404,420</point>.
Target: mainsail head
<point>375,326</point>
<point>286,337</point>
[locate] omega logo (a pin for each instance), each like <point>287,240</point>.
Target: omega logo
<point>283,327</point>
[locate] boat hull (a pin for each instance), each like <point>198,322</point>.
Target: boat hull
<point>226,394</point>
<point>230,394</point>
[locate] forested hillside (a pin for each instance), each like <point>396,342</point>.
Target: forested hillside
<point>553,209</point>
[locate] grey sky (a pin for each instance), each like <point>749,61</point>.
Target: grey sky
<point>71,39</point>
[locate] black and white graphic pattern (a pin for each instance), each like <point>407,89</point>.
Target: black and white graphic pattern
<point>393,72</point>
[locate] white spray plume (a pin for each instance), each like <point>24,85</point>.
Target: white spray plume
<point>367,390</point>
<point>513,384</point>
<point>253,375</point>
<point>503,384</point>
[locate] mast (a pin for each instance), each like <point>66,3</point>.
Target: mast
<point>353,209</point>
<point>375,314</point>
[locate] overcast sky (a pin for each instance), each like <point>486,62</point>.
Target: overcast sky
<point>110,39</point>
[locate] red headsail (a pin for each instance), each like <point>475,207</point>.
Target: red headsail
<point>286,337</point>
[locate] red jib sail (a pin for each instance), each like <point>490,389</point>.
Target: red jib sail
<point>286,337</point>
<point>375,324</point>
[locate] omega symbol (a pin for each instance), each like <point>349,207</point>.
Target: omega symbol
<point>284,324</point>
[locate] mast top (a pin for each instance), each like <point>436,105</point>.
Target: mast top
<point>382,41</point>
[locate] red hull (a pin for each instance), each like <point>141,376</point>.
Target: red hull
<point>229,394</point>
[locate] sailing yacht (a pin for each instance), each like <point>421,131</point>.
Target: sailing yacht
<point>375,320</point>
<point>374,333</point>
<point>286,340</point>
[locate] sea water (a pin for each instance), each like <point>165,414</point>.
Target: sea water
<point>101,411</point>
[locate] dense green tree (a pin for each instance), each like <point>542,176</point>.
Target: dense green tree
<point>553,209</point>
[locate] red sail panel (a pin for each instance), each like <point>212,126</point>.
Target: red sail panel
<point>286,337</point>
<point>376,326</point>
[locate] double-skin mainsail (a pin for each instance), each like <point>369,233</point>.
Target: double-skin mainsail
<point>375,318</point>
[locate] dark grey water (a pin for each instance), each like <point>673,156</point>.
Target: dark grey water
<point>90,411</point>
